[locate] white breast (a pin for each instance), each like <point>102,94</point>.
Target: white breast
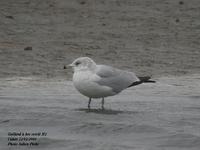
<point>84,82</point>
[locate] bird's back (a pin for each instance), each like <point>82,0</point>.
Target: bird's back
<point>117,79</point>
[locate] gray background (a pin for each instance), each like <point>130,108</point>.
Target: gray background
<point>146,36</point>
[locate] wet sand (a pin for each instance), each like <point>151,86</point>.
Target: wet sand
<point>164,115</point>
<point>149,37</point>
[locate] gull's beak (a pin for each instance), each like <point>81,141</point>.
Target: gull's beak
<point>68,66</point>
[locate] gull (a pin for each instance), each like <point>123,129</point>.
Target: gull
<point>100,81</point>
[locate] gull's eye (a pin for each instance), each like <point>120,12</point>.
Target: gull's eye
<point>77,63</point>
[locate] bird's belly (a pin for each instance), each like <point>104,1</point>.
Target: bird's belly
<point>91,89</point>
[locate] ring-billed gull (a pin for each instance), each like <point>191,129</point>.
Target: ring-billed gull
<point>100,81</point>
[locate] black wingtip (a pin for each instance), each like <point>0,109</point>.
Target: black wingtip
<point>142,80</point>
<point>149,81</point>
<point>146,79</point>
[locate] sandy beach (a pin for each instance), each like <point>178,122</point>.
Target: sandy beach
<point>148,37</point>
<point>160,38</point>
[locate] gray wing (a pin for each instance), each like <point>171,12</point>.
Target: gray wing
<point>117,79</point>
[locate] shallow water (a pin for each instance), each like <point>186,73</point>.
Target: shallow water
<point>164,115</point>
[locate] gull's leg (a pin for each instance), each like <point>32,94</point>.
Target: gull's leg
<point>89,102</point>
<point>102,103</point>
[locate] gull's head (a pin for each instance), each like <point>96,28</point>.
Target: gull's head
<point>83,63</point>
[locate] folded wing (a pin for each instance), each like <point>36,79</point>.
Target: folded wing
<point>117,79</point>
